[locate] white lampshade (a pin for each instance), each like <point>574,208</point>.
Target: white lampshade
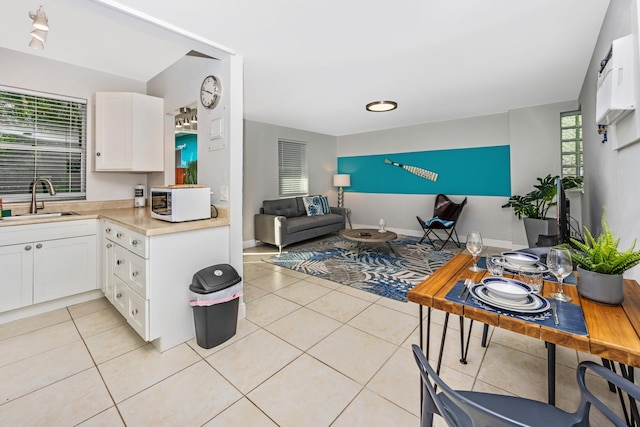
<point>36,44</point>
<point>40,35</point>
<point>40,21</point>
<point>341,180</point>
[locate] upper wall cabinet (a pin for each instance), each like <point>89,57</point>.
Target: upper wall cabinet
<point>129,132</point>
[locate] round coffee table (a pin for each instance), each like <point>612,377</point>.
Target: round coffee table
<point>369,235</point>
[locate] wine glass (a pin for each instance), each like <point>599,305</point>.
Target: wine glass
<point>474,246</point>
<point>559,263</point>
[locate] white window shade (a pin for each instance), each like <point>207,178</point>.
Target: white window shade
<point>41,136</point>
<point>292,169</point>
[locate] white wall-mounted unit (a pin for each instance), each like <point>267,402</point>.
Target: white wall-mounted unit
<point>615,97</point>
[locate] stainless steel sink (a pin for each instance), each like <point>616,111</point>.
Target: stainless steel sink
<point>37,216</point>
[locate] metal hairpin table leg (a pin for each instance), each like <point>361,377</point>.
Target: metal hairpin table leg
<point>631,416</point>
<point>464,351</point>
<point>551,372</point>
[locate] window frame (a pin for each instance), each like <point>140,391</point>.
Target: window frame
<point>293,171</point>
<point>578,150</point>
<point>45,142</point>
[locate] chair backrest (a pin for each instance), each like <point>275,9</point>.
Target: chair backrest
<point>451,405</point>
<point>445,208</point>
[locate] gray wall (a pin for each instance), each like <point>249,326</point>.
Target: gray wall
<point>534,136</point>
<point>611,177</point>
<point>261,167</point>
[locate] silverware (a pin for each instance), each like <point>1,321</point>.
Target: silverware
<point>464,288</point>
<point>468,284</point>
<point>555,313</point>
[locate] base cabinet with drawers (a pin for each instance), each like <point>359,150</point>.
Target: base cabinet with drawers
<point>43,262</point>
<point>147,278</point>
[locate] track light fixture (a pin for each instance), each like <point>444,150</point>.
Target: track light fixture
<point>41,25</point>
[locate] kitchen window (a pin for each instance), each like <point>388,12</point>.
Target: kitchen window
<point>571,140</point>
<point>293,179</point>
<point>42,136</point>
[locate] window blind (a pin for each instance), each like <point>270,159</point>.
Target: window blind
<point>42,136</point>
<point>292,169</point>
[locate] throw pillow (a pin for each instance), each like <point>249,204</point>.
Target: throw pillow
<point>325,205</point>
<point>313,205</point>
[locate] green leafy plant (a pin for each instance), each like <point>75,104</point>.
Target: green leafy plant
<point>602,255</point>
<point>537,203</point>
<point>191,173</point>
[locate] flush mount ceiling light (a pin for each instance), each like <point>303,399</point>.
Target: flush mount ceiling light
<point>381,106</point>
<point>41,25</point>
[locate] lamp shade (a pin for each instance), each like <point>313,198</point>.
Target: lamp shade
<point>341,180</point>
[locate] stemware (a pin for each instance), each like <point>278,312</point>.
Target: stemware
<point>495,265</point>
<point>559,264</point>
<point>474,246</point>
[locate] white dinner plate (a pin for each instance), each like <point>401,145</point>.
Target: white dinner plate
<point>543,304</point>
<point>526,303</point>
<point>507,289</point>
<point>537,267</point>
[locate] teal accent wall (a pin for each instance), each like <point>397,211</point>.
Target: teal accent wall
<point>189,144</point>
<point>483,171</point>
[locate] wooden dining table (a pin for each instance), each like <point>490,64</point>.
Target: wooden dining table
<point>612,332</point>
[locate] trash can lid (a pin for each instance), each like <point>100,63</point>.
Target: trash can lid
<point>214,278</point>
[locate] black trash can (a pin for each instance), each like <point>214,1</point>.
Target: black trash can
<point>215,293</point>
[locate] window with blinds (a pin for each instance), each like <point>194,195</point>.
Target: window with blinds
<point>292,169</point>
<point>42,136</point>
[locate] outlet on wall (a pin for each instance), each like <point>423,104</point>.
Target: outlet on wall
<point>224,193</point>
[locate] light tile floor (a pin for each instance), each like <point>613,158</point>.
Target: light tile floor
<point>309,353</point>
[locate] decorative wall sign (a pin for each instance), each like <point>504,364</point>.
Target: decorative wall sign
<point>481,171</point>
<point>422,173</point>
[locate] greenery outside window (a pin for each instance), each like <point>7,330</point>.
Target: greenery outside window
<point>42,136</point>
<point>571,140</point>
<point>293,177</point>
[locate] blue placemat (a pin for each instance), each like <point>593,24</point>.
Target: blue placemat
<point>570,315</point>
<point>569,280</point>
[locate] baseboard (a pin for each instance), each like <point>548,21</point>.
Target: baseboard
<point>249,244</point>
<point>44,307</point>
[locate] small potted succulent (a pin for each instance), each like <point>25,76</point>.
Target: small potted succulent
<point>601,265</point>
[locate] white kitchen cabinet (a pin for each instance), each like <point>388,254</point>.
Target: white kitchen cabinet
<point>150,276</point>
<point>64,267</point>
<point>43,262</point>
<point>16,267</point>
<point>129,132</point>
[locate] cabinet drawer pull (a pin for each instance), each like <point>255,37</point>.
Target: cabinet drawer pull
<point>98,154</point>
<point>39,246</point>
<point>119,235</point>
<point>108,230</point>
<point>109,245</point>
<point>134,242</point>
<point>134,274</point>
<point>134,311</point>
<point>27,248</point>
<point>119,295</point>
<point>119,262</point>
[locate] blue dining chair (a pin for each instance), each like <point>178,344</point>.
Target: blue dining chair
<point>476,409</point>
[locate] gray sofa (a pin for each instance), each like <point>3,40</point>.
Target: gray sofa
<point>285,221</point>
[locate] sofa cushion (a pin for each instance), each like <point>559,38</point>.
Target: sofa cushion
<point>284,207</point>
<point>302,223</point>
<point>316,205</point>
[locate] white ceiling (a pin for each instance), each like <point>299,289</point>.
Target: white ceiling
<point>314,64</point>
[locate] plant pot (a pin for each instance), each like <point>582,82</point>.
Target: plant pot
<point>535,227</point>
<point>599,287</point>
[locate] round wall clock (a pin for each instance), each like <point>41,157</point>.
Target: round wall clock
<point>210,91</point>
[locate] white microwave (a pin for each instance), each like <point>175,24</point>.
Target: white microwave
<point>180,203</point>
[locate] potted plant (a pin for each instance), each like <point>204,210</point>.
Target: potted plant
<point>534,206</point>
<point>600,265</point>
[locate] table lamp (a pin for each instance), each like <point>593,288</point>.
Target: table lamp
<point>341,180</point>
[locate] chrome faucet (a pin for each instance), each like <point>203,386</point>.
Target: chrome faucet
<point>34,185</point>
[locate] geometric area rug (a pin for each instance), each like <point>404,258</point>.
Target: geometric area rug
<point>375,269</point>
